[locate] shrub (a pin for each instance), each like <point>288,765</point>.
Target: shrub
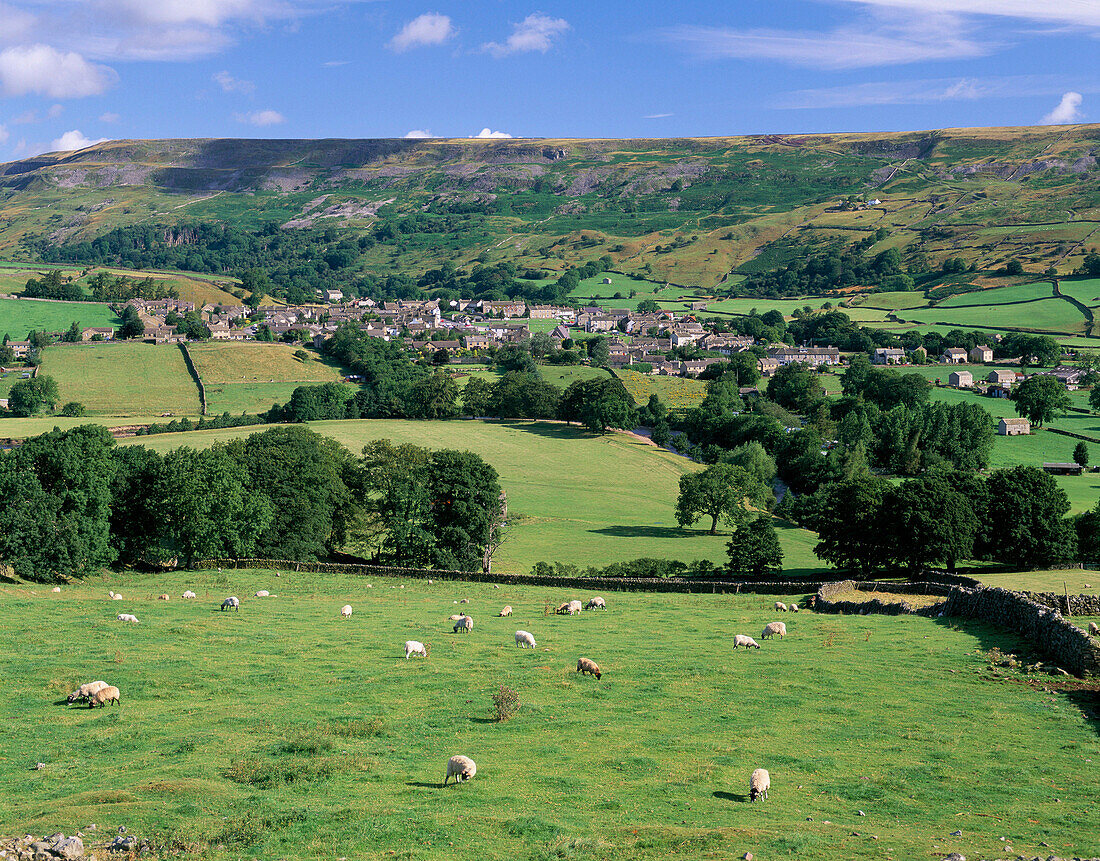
<point>73,409</point>
<point>506,702</point>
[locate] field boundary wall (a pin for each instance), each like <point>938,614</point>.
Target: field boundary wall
<point>823,603</point>
<point>194,375</point>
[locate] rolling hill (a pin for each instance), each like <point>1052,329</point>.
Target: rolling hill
<point>688,211</point>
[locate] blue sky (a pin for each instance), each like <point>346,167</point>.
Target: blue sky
<point>76,71</point>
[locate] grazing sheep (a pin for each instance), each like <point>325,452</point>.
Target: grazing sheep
<point>162,597</point>
<point>86,690</point>
<point>1094,631</point>
<point>415,647</point>
<point>189,594</point>
<point>232,601</point>
<point>345,611</point>
<point>792,608</point>
<point>759,784</point>
<point>780,607</point>
<point>56,589</point>
<point>507,611</point>
<point>575,607</point>
<point>773,628</point>
<point>562,609</point>
<point>747,642</point>
<point>263,593</point>
<point>454,617</point>
<point>596,603</point>
<point>525,640</point>
<point>464,624</point>
<point>460,768</point>
<point>127,617</point>
<point>587,665</point>
<point>464,601</point>
<point>103,696</point>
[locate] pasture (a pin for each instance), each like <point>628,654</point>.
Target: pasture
<point>20,316</point>
<point>283,731</point>
<point>675,392</point>
<point>123,379</point>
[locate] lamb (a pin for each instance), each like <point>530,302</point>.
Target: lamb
<point>415,647</point>
<point>464,624</point>
<point>115,596</point>
<point>460,768</point>
<point>759,784</point>
<point>127,617</point>
<point>780,607</point>
<point>507,611</point>
<point>525,640</point>
<point>747,642</point>
<point>232,601</point>
<point>162,597</point>
<point>596,603</point>
<point>86,690</point>
<point>1094,631</point>
<point>773,628</point>
<point>587,665</point>
<point>345,611</point>
<point>792,608</point>
<point>189,594</point>
<point>263,593</point>
<point>103,696</point>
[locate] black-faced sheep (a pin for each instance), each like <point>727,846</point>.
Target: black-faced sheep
<point>162,598</point>
<point>792,608</point>
<point>747,642</point>
<point>464,624</point>
<point>759,784</point>
<point>780,607</point>
<point>596,603</point>
<point>1094,631</point>
<point>232,601</point>
<point>127,617</point>
<point>345,611</point>
<point>525,640</point>
<point>773,628</point>
<point>103,696</point>
<point>460,768</point>
<point>587,665</point>
<point>188,594</point>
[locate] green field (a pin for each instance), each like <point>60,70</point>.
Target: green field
<point>1084,290</point>
<point>282,731</point>
<point>572,497</point>
<point>1001,295</point>
<point>1047,315</point>
<point>563,375</point>
<point>123,379</point>
<point>20,316</point>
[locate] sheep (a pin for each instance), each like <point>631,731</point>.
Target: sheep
<point>188,594</point>
<point>162,597</point>
<point>525,640</point>
<point>780,607</point>
<point>507,611</point>
<point>127,617</point>
<point>575,607</point>
<point>792,608</point>
<point>743,640</point>
<point>454,617</point>
<point>464,624</point>
<point>596,603</point>
<point>562,609</point>
<point>1094,631</point>
<point>56,589</point>
<point>759,784</point>
<point>232,601</point>
<point>415,647</point>
<point>464,601</point>
<point>345,611</point>
<point>460,768</point>
<point>103,696</point>
<point>773,628</point>
<point>86,690</point>
<point>586,665</point>
<point>263,593</point>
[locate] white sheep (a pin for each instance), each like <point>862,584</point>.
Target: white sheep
<point>780,607</point>
<point>162,597</point>
<point>86,690</point>
<point>263,593</point>
<point>460,768</point>
<point>596,603</point>
<point>464,601</point>
<point>464,624</point>
<point>773,628</point>
<point>575,607</point>
<point>743,640</point>
<point>525,640</point>
<point>345,611</point>
<point>56,589</point>
<point>415,647</point>
<point>759,784</point>
<point>127,617</point>
<point>188,594</point>
<point>109,694</point>
<point>454,617</point>
<point>507,611</point>
<point>792,608</point>
<point>1094,631</point>
<point>587,665</point>
<point>232,601</point>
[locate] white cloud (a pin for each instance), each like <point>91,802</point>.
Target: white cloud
<point>109,117</point>
<point>72,141</point>
<point>419,133</point>
<point>261,118</point>
<point>1081,12</point>
<point>230,84</point>
<point>431,28</point>
<point>1066,111</point>
<point>333,63</point>
<point>55,111</point>
<point>488,133</point>
<point>656,116</point>
<point>42,70</point>
<point>536,32</point>
<point>884,40</point>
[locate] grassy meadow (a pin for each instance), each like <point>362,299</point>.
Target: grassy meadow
<point>283,731</point>
<point>123,379</point>
<point>20,316</point>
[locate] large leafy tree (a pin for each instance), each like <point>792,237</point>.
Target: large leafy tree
<point>598,404</point>
<point>1041,398</point>
<point>755,549</point>
<point>27,397</point>
<point>848,523</point>
<point>721,492</point>
<point>929,521</point>
<point>1026,516</point>
<point>795,387</point>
